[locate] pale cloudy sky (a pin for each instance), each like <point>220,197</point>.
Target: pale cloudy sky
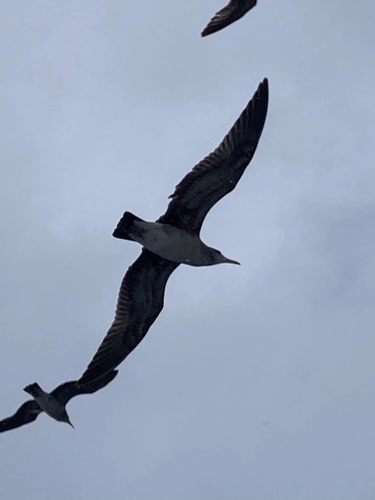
<point>256,382</point>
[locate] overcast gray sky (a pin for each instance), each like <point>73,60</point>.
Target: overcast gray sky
<point>256,382</point>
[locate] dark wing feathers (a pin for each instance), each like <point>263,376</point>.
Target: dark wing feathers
<point>218,173</point>
<point>228,15</point>
<point>65,392</point>
<point>25,414</point>
<point>140,300</point>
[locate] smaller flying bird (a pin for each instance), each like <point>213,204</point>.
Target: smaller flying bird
<point>228,15</point>
<point>53,403</point>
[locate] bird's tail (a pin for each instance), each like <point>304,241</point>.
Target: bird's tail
<point>127,228</point>
<point>33,389</point>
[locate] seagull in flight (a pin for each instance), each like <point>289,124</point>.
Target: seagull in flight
<point>228,15</point>
<point>53,403</point>
<point>174,238</point>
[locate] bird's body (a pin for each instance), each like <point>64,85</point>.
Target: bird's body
<point>48,403</point>
<point>53,403</point>
<point>169,242</point>
<point>174,238</point>
<point>173,244</point>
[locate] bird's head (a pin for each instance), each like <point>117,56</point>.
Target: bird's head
<point>66,419</point>
<point>216,257</point>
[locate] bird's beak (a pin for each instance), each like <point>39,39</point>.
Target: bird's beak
<point>70,423</point>
<point>230,261</point>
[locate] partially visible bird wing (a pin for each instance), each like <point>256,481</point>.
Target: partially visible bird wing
<point>218,173</point>
<point>68,390</point>
<point>228,15</point>
<point>25,414</point>
<point>140,300</point>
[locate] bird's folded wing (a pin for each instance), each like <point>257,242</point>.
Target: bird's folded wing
<point>218,173</point>
<point>228,15</point>
<point>25,414</point>
<point>140,300</point>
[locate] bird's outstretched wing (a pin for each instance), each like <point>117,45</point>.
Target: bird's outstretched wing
<point>25,414</point>
<point>228,15</point>
<point>140,300</point>
<point>218,173</point>
<point>65,392</point>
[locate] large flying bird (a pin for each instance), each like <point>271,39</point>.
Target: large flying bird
<point>228,15</point>
<point>53,403</point>
<point>174,238</point>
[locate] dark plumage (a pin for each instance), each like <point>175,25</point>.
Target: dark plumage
<point>58,398</point>
<point>141,293</point>
<point>228,15</point>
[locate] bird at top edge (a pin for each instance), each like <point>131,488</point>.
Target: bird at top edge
<point>228,15</point>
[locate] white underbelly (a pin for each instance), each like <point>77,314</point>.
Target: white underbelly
<point>156,240</point>
<point>172,245</point>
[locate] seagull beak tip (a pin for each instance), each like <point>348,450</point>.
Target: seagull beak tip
<point>231,261</point>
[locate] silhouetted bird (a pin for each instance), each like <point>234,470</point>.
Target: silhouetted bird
<point>52,403</point>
